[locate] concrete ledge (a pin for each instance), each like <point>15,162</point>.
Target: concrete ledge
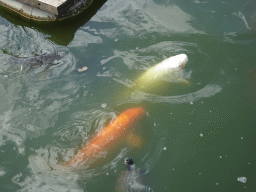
<point>47,10</point>
<point>51,6</point>
<point>27,10</point>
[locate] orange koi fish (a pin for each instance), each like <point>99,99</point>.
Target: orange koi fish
<point>116,131</point>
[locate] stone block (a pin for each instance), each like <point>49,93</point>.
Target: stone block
<point>55,7</point>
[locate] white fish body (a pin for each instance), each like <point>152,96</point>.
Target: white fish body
<point>172,63</point>
<point>168,70</point>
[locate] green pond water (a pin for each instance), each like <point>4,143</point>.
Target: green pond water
<point>198,137</point>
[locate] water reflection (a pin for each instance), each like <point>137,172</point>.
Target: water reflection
<point>29,63</point>
<point>220,16</point>
<point>142,17</point>
<point>207,91</point>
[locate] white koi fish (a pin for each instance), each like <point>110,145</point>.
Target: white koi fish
<point>169,70</point>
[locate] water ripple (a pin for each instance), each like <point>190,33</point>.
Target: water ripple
<point>207,91</point>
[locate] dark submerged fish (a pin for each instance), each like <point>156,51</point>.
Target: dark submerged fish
<point>130,180</point>
<point>39,60</point>
<point>34,61</point>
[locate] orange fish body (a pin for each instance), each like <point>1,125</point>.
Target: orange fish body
<point>117,130</point>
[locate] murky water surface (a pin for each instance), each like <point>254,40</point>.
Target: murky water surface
<point>195,137</point>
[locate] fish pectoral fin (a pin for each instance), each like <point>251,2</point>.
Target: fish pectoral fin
<point>134,140</point>
<point>137,186</point>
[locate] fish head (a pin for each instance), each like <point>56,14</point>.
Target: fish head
<point>129,163</point>
<point>178,61</point>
